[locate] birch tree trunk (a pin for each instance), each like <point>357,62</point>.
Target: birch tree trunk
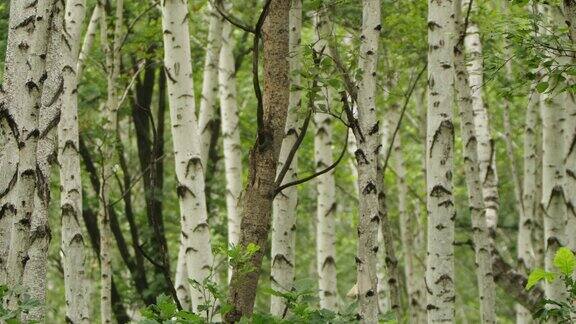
<point>480,233</point>
<point>24,80</point>
<point>439,165</point>
<point>259,192</point>
<point>325,187</point>
<point>181,283</point>
<point>553,182</point>
<point>88,41</point>
<point>407,223</point>
<point>368,140</point>
<point>230,134</point>
<point>208,102</point>
<point>189,170</point>
<point>525,254</point>
<point>72,239</point>
<point>486,150</point>
<point>283,256</point>
<point>112,54</point>
<point>35,269</point>
<point>326,207</point>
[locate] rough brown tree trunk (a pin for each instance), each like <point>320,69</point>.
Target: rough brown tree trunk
<point>259,192</point>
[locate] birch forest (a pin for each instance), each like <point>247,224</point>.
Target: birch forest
<point>287,161</point>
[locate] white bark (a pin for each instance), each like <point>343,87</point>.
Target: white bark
<point>35,269</point>
<point>553,181</point>
<point>407,222</point>
<point>230,134</point>
<point>439,165</point>
<point>189,170</point>
<point>208,102</point>
<point>26,56</point>
<point>283,253</point>
<point>112,54</point>
<point>368,140</point>
<point>181,282</point>
<point>88,41</point>
<point>525,256</point>
<point>72,240</point>
<point>325,209</point>
<point>486,287</point>
<point>486,149</point>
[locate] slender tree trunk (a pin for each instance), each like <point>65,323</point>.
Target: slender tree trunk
<point>525,256</point>
<point>486,149</point>
<point>189,170</point>
<point>259,193</point>
<point>112,54</point>
<point>325,210</point>
<point>326,187</point>
<point>208,102</point>
<point>181,283</point>
<point>392,276</point>
<point>407,223</point>
<point>368,139</point>
<point>24,80</point>
<point>283,252</point>
<point>88,41</point>
<point>439,165</point>
<point>35,269</point>
<point>230,135</point>
<point>553,182</point>
<point>480,233</point>
<point>570,19</point>
<point>72,240</point>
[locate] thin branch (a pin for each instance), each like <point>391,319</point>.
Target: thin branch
<point>166,272</point>
<point>256,66</point>
<point>231,19</point>
<point>406,101</point>
<point>317,174</point>
<point>293,150</point>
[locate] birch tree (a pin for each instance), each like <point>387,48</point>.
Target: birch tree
<point>486,150</point>
<point>439,164</point>
<point>480,233</point>
<point>113,61</point>
<point>230,133</point>
<point>553,179</point>
<point>283,252</point>
<point>189,170</point>
<point>526,257</point>
<point>368,140</point>
<point>25,68</point>
<point>72,240</point>
<point>35,268</point>
<point>325,187</point>
<point>208,100</point>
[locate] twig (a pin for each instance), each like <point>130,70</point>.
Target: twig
<point>166,273</point>
<point>406,101</point>
<point>236,22</point>
<point>317,174</point>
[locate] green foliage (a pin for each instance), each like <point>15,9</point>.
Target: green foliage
<point>166,312</point>
<point>25,304</point>
<point>559,311</point>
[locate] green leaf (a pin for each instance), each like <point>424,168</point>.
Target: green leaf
<point>542,86</point>
<point>564,260</point>
<point>536,276</point>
